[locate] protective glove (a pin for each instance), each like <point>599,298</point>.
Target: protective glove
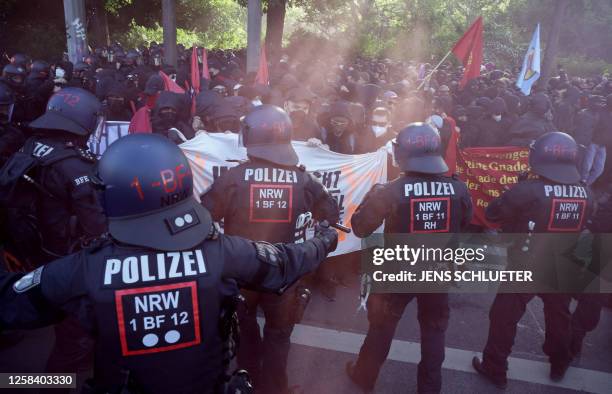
<point>327,235</point>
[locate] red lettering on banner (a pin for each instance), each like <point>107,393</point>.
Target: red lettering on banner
<point>487,172</point>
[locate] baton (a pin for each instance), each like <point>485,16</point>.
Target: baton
<point>340,227</point>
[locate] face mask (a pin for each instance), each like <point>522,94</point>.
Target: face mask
<point>497,118</point>
<point>256,103</point>
<point>379,130</point>
<point>168,118</point>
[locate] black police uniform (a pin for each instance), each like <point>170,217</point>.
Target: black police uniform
<point>393,203</point>
<point>156,314</point>
<point>267,201</point>
<point>539,201</point>
<point>68,212</point>
<point>153,294</point>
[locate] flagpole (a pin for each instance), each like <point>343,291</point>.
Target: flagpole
<point>434,69</point>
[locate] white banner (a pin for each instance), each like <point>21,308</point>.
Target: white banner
<point>347,177</point>
<point>107,133</point>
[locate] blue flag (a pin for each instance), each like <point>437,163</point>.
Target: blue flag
<point>530,72</point>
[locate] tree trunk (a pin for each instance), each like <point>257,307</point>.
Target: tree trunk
<point>253,35</point>
<point>169,24</point>
<point>275,23</point>
<point>99,24</point>
<point>552,44</point>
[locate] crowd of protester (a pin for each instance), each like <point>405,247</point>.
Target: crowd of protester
<point>350,106</point>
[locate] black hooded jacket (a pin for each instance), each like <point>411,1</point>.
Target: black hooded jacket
<point>180,104</point>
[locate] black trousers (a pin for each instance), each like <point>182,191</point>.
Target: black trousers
<point>384,313</point>
<point>506,312</point>
<point>266,358</point>
<point>585,317</point>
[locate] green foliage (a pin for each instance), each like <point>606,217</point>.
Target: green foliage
<point>580,66</point>
<point>407,29</point>
<point>208,23</point>
<point>114,6</point>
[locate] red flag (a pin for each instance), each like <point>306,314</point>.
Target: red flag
<point>469,51</point>
<point>141,121</point>
<point>262,74</point>
<point>170,85</point>
<point>450,156</point>
<point>195,70</point>
<point>205,72</point>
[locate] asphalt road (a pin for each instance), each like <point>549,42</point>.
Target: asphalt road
<point>331,334</point>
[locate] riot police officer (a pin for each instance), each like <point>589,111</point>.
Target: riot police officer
<point>154,290</point>
<point>59,194</point>
<point>269,198</point>
<point>534,205</point>
<point>417,151</point>
<point>68,211</point>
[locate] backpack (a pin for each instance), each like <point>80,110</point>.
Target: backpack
<point>19,193</point>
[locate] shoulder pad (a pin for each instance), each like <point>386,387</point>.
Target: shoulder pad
<point>267,253</point>
<point>86,154</point>
<point>28,281</point>
<point>301,167</point>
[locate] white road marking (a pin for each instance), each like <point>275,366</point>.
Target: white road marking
<point>530,371</point>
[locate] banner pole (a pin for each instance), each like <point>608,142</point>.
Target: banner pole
<point>434,69</point>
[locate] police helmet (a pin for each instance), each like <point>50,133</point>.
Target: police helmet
<point>417,148</point>
<point>148,196</point>
<point>21,60</point>
<point>71,109</point>
<point>553,156</point>
<point>14,75</point>
<point>266,134</point>
<point>40,67</point>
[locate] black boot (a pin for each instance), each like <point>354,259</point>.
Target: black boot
<point>500,381</point>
